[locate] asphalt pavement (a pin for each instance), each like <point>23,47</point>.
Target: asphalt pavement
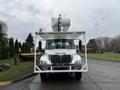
<point>102,75</point>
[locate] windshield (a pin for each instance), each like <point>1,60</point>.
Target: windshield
<point>60,44</point>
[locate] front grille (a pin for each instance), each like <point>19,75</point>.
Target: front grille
<point>66,59</point>
<point>60,59</point>
<point>55,59</point>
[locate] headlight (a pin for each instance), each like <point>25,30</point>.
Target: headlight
<point>43,62</point>
<point>77,62</point>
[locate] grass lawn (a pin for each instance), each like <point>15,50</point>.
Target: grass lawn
<point>104,56</point>
<point>14,72</point>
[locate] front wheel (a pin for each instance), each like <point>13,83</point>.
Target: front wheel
<point>78,75</point>
<point>43,76</point>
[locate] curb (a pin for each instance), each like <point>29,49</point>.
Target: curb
<point>6,83</point>
<point>23,77</point>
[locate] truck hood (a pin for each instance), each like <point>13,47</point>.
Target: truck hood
<point>61,51</point>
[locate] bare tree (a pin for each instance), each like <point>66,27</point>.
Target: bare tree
<point>115,44</point>
<point>106,42</point>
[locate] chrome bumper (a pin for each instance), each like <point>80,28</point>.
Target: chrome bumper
<point>60,67</point>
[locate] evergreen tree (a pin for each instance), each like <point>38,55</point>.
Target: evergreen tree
<point>25,48</point>
<point>16,46</point>
<point>3,41</point>
<point>11,47</point>
<point>5,52</point>
<point>30,40</point>
<point>3,35</point>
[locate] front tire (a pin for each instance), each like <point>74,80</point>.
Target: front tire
<point>43,76</point>
<point>78,75</point>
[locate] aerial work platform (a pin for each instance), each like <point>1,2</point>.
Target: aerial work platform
<point>44,36</point>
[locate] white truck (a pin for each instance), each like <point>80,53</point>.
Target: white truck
<point>61,54</point>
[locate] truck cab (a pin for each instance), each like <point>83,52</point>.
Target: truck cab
<point>61,55</point>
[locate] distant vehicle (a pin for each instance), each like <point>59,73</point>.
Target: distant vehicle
<point>60,52</point>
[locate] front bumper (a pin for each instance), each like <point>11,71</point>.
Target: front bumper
<point>61,67</point>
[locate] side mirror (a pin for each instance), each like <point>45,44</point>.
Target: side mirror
<point>40,45</point>
<point>80,45</point>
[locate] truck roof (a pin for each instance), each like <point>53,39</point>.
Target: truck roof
<point>60,35</point>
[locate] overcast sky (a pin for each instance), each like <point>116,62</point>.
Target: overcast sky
<point>96,17</point>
